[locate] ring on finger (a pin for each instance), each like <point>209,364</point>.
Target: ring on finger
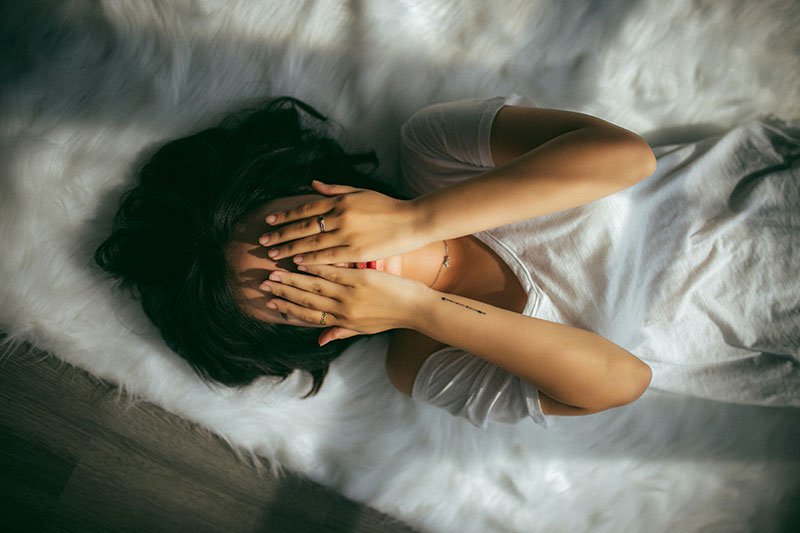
<point>323,319</point>
<point>321,222</point>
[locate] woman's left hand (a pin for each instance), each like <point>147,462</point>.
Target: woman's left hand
<point>360,225</point>
<point>356,301</point>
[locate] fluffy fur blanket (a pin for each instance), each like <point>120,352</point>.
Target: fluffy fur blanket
<point>89,86</point>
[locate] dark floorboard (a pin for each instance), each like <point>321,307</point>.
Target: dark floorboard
<point>75,459</point>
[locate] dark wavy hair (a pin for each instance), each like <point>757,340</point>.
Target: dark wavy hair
<point>169,236</point>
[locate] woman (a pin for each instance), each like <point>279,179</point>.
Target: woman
<point>504,275</point>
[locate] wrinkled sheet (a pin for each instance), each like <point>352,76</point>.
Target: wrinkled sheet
<point>88,88</point>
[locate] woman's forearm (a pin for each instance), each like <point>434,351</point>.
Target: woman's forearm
<point>570,365</point>
<point>570,170</point>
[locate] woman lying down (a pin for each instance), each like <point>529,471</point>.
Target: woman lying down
<point>539,262</point>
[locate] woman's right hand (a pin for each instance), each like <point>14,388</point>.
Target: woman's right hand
<point>360,225</point>
<point>356,301</point>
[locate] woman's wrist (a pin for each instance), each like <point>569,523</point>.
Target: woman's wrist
<point>416,308</point>
<point>424,315</point>
<point>422,220</point>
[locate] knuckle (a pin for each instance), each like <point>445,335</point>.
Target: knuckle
<point>316,288</point>
<point>348,311</point>
<point>316,238</point>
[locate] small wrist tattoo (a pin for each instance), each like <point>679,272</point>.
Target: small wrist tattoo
<point>463,305</point>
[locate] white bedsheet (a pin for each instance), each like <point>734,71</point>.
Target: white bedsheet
<point>87,87</point>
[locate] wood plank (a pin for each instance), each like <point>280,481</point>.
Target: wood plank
<point>79,460</point>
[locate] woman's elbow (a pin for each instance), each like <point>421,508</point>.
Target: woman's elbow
<point>645,158</point>
<point>639,159</point>
<point>649,161</point>
<point>636,382</point>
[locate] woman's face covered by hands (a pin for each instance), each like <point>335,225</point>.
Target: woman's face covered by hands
<point>251,264</point>
<point>361,226</point>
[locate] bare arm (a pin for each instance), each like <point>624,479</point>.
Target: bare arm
<point>549,160</point>
<point>577,372</point>
<point>409,349</point>
<point>574,367</point>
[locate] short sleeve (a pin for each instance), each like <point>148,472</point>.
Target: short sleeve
<point>444,143</point>
<point>473,388</point>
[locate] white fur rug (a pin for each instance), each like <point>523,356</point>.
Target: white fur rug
<point>89,86</point>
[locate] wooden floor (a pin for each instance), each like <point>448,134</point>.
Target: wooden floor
<point>71,459</point>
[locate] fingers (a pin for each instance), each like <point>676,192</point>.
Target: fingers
<point>331,189</point>
<point>335,333</point>
<point>339,276</point>
<point>306,305</point>
<point>305,290</point>
<point>310,209</point>
<point>324,257</point>
<point>317,241</point>
<point>312,316</point>
<point>306,296</point>
<point>290,232</point>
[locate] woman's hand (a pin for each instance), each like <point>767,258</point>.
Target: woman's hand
<point>360,225</point>
<point>356,301</point>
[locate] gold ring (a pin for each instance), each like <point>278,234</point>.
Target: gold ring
<point>323,319</point>
<point>321,222</point>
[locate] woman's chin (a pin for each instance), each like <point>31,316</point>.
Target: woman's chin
<point>392,265</point>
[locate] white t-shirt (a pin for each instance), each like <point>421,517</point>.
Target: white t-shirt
<point>694,269</point>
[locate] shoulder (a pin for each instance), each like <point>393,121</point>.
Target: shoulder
<point>443,118</point>
<point>407,351</point>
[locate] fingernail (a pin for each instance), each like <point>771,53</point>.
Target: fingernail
<point>266,287</point>
<point>303,268</point>
<point>273,252</point>
<point>274,277</point>
<point>271,305</point>
<point>264,239</point>
<point>298,259</point>
<point>271,219</point>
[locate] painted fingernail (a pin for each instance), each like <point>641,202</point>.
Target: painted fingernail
<point>303,268</point>
<point>298,259</point>
<point>274,277</point>
<point>271,219</point>
<point>264,239</point>
<point>272,305</point>
<point>274,252</point>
